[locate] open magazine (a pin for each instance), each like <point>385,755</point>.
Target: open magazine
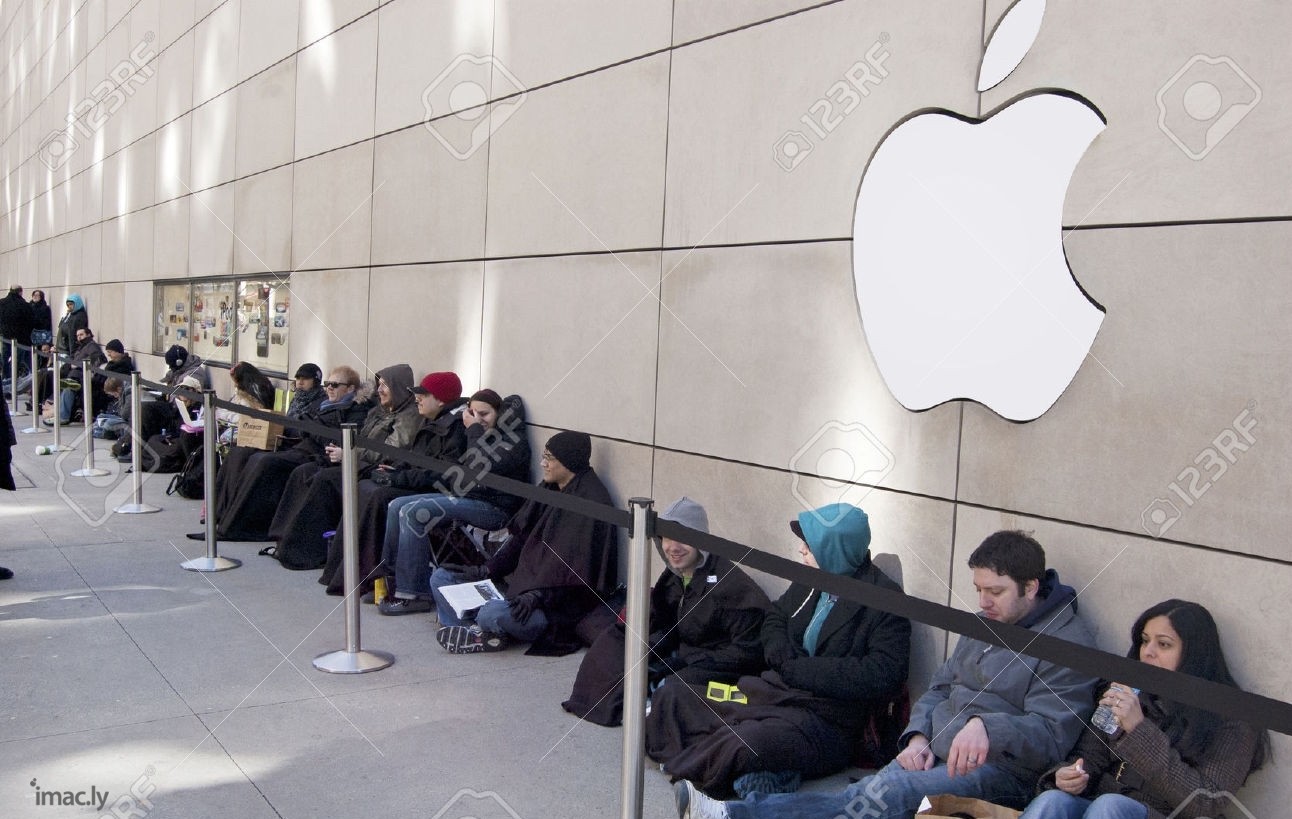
<point>467,597</point>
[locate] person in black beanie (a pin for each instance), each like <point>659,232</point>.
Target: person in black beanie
<point>558,565</point>
<point>180,363</point>
<point>119,361</point>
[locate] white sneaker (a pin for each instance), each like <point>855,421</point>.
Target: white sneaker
<point>691,804</point>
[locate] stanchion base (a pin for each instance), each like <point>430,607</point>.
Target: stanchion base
<point>210,564</point>
<point>35,430</point>
<point>90,473</point>
<point>358,662</point>
<point>136,509</point>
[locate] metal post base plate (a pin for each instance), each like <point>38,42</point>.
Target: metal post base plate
<point>210,564</point>
<point>358,662</point>
<point>34,430</point>
<point>90,473</point>
<point>136,509</point>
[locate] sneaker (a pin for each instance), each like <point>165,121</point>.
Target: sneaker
<point>395,606</point>
<point>691,804</point>
<point>469,639</point>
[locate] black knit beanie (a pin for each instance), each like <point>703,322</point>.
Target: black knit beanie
<point>572,449</point>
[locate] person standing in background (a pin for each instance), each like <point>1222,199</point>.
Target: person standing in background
<point>15,327</point>
<point>74,319</point>
<point>42,321</point>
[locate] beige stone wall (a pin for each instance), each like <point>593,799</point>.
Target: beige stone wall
<point>281,136</point>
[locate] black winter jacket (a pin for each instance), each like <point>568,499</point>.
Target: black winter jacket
<point>15,318</point>
<point>714,621</point>
<point>863,654</point>
<point>503,450</point>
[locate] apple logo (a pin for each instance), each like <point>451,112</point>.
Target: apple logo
<point>961,278</point>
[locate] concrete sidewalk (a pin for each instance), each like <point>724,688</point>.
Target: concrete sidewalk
<point>124,671</point>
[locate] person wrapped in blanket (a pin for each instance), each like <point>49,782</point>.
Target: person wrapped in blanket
<point>705,619</point>
<point>557,566</point>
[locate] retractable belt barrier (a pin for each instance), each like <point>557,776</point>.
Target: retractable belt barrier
<point>1258,710</point>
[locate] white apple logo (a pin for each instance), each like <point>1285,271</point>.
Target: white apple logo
<point>961,277</point>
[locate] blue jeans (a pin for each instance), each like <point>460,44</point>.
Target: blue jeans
<point>1059,805</point>
<point>891,793</point>
<point>66,404</point>
<point>493,616</point>
<point>409,522</point>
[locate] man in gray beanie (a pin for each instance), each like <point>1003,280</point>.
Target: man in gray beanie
<point>706,616</point>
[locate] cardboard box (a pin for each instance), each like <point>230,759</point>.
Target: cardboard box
<point>258,434</point>
<point>955,807</point>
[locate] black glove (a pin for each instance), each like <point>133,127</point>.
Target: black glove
<point>524,604</point>
<point>381,477</point>
<point>798,672</point>
<point>656,644</point>
<point>778,653</point>
<point>466,574</point>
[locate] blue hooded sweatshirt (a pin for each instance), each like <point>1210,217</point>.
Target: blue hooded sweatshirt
<point>838,536</point>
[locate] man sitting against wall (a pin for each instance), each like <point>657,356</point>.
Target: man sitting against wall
<point>557,565</point>
<point>87,349</point>
<point>705,619</point>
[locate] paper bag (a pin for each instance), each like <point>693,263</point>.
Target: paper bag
<point>258,434</point>
<point>953,807</point>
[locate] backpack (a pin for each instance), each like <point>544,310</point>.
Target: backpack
<point>162,453</point>
<point>190,481</point>
<point>879,737</point>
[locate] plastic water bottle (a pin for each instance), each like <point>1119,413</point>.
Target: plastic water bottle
<point>1104,719</point>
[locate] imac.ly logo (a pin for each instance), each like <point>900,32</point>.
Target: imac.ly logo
<point>93,797</point>
<point>134,803</point>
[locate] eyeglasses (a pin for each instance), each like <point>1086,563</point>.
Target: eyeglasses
<point>549,458</point>
<point>332,385</point>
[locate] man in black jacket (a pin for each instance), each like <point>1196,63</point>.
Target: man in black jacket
<point>119,361</point>
<point>15,325</point>
<point>558,565</point>
<point>705,619</point>
<point>87,349</point>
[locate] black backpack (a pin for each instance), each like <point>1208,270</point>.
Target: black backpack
<point>162,453</point>
<point>190,481</point>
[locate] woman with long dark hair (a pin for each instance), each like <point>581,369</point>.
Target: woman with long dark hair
<point>1163,758</point>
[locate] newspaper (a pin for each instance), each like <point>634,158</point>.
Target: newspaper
<point>467,597</point>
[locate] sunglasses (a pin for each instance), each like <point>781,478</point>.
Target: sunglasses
<point>332,385</point>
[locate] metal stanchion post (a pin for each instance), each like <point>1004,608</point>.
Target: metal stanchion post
<point>212,562</point>
<point>87,404</point>
<point>637,629</point>
<point>353,659</point>
<point>35,427</point>
<point>136,506</point>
